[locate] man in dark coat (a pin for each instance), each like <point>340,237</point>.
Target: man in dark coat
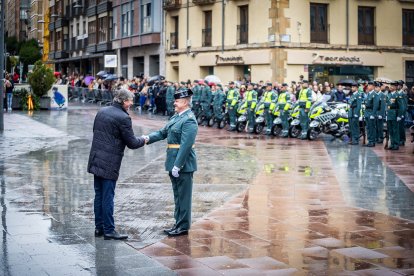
<point>112,131</point>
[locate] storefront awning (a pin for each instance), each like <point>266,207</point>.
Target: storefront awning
<point>83,57</point>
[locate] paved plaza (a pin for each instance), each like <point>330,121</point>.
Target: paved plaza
<point>261,205</point>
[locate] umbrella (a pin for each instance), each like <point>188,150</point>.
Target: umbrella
<point>57,74</point>
<point>155,78</point>
<point>102,73</point>
<point>347,82</point>
<point>88,80</point>
<point>383,80</point>
<point>212,78</point>
<point>111,78</point>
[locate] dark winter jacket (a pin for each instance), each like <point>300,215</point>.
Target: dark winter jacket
<point>112,131</point>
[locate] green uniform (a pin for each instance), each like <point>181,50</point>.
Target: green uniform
<point>401,124</point>
<point>381,116</point>
<point>206,98</point>
<point>283,105</point>
<point>218,101</point>
<point>269,99</point>
<point>305,102</point>
<point>354,112</point>
<point>251,99</point>
<point>371,109</point>
<point>196,99</point>
<point>394,111</point>
<point>232,99</point>
<point>180,132</point>
<point>169,98</point>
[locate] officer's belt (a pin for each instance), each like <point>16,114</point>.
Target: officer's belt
<point>175,146</point>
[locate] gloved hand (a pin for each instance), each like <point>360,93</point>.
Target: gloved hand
<point>380,117</point>
<point>372,117</point>
<point>398,119</point>
<point>175,171</point>
<point>146,138</point>
<point>356,116</point>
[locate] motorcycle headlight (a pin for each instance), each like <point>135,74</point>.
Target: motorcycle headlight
<point>278,121</point>
<point>314,124</point>
<point>260,120</point>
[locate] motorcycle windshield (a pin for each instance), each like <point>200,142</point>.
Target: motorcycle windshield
<point>325,98</point>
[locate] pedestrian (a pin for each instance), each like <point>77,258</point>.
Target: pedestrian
<point>169,98</point>
<point>283,105</point>
<point>251,100</point>
<point>269,100</point>
<point>380,113</point>
<point>112,131</point>
<point>196,98</point>
<point>181,162</point>
<point>206,98</point>
<point>354,112</point>
<point>218,101</point>
<point>9,86</point>
<point>394,113</point>
<point>371,109</point>
<point>404,107</point>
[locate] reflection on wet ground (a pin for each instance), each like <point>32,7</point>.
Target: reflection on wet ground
<point>262,206</point>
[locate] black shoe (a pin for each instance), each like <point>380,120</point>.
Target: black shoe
<point>402,144</point>
<point>178,232</point>
<point>394,148</point>
<point>354,143</point>
<point>115,236</point>
<point>380,141</point>
<point>370,145</point>
<point>167,231</point>
<point>99,232</point>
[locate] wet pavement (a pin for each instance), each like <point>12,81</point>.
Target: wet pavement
<point>261,206</point>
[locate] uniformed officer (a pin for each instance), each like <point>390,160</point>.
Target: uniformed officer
<point>354,112</point>
<point>305,102</point>
<point>232,99</point>
<point>218,101</point>
<point>196,97</point>
<point>205,99</point>
<point>404,108</point>
<point>283,105</point>
<point>251,99</point>
<point>371,108</point>
<point>380,113</point>
<point>269,99</point>
<point>394,113</point>
<point>169,98</point>
<point>181,163</point>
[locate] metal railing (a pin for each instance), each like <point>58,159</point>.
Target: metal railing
<point>243,34</point>
<point>174,40</point>
<point>206,37</point>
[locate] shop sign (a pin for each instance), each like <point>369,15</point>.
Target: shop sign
<point>220,60</point>
<point>110,61</point>
<point>336,59</point>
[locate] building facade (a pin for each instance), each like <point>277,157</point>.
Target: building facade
<point>80,33</point>
<point>279,40</point>
<point>17,19</point>
<point>138,28</point>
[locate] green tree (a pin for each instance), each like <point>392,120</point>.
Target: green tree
<point>12,45</point>
<point>30,52</point>
<point>41,79</point>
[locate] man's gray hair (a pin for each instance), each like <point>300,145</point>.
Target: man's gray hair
<point>123,95</point>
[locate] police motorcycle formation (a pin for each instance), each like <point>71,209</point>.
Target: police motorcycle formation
<point>332,120</point>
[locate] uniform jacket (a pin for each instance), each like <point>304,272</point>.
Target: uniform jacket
<point>112,131</point>
<point>196,93</point>
<point>355,103</point>
<point>382,104</point>
<point>206,95</point>
<point>219,98</point>
<point>371,104</point>
<point>394,106</point>
<point>180,130</point>
<point>169,97</point>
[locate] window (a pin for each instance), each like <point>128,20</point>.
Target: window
<point>92,32</point>
<point>318,23</point>
<point>127,19</point>
<point>243,28</point>
<point>207,29</point>
<point>174,35</point>
<point>103,29</point>
<point>408,27</point>
<point>146,12</point>
<point>366,29</point>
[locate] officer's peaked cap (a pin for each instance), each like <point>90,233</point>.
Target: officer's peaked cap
<point>285,84</point>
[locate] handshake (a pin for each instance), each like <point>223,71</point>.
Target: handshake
<point>146,138</point>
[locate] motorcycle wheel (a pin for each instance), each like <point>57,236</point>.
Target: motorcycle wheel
<point>222,124</point>
<point>294,131</point>
<point>258,128</point>
<point>200,119</point>
<point>211,122</point>
<point>240,127</point>
<point>276,130</point>
<point>312,134</point>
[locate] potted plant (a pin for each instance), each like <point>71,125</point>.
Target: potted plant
<point>41,81</point>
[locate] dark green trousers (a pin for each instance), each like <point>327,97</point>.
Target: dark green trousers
<point>218,112</point>
<point>284,116</point>
<point>394,133</point>
<point>183,189</point>
<point>354,129</point>
<point>380,129</point>
<point>371,130</point>
<point>401,130</point>
<point>232,116</point>
<point>304,122</point>
<point>269,119</point>
<point>251,117</point>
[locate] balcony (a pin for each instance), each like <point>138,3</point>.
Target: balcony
<point>203,2</point>
<point>61,54</point>
<point>51,26</point>
<point>206,37</point>
<point>103,47</point>
<point>91,48</point>
<point>61,22</point>
<point>51,55</point>
<point>104,7</point>
<point>91,11</point>
<point>173,41</point>
<point>243,34</point>
<point>171,4</point>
